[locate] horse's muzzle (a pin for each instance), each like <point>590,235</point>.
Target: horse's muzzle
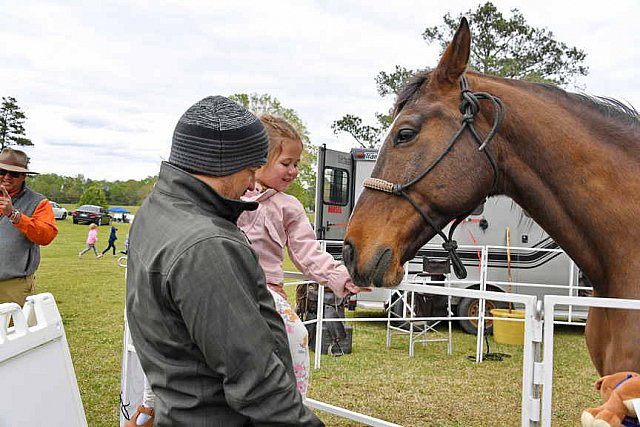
<point>374,269</point>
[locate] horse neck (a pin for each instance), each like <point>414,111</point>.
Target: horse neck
<point>576,172</point>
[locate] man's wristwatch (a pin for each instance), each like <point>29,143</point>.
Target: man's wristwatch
<point>14,217</point>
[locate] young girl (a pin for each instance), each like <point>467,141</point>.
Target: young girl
<point>280,221</point>
<point>92,238</point>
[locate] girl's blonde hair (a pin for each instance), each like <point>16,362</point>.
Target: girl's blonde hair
<point>92,225</point>
<point>279,131</point>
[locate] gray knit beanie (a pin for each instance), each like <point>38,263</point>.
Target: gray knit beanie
<point>218,137</point>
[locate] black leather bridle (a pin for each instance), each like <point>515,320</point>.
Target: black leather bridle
<point>469,107</point>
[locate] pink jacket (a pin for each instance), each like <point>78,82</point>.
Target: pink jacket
<point>92,237</point>
<point>280,221</point>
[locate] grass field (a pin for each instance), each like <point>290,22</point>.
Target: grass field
<point>431,389</point>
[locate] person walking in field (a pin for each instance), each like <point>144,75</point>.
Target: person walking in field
<point>92,238</point>
<point>112,242</point>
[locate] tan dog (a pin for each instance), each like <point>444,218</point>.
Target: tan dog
<point>617,391</point>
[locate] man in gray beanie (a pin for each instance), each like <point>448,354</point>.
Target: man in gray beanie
<point>203,323</point>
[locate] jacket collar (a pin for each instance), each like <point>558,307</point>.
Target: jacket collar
<point>182,185</point>
<point>259,194</point>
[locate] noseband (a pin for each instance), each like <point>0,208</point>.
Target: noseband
<point>469,107</point>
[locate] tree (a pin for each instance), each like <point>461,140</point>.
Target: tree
<point>49,184</point>
<point>12,124</point>
<point>502,47</point>
<point>64,189</point>
<point>511,48</point>
<point>93,195</point>
<point>366,136</point>
<point>304,187</point>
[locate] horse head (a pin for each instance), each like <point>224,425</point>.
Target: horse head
<point>432,160</point>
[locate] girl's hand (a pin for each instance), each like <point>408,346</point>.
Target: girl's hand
<point>351,287</point>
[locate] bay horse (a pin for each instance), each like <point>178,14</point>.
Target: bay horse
<point>570,160</point>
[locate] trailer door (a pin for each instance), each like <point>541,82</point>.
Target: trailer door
<point>333,194</point>
<point>364,159</point>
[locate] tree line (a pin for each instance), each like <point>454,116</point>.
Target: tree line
<point>80,190</point>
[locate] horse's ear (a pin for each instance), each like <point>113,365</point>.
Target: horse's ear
<point>455,58</point>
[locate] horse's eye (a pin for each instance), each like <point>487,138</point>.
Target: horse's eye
<point>404,135</point>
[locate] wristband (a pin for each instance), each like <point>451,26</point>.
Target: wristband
<point>15,216</point>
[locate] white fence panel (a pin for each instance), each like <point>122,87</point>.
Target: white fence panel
<point>532,335</point>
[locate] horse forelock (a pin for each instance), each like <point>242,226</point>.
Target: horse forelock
<point>410,90</point>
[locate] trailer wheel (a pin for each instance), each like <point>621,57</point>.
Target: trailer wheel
<point>469,307</point>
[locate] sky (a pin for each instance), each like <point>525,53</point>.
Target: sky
<point>103,83</point>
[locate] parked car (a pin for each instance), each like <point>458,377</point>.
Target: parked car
<point>88,214</point>
<point>58,211</point>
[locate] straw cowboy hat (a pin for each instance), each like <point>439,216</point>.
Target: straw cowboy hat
<point>14,161</point>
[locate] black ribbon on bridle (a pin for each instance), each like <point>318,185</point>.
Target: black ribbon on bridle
<point>469,107</point>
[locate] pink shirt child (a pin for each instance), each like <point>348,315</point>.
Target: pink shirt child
<point>280,221</point>
<point>92,237</point>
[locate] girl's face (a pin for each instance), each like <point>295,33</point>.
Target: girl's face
<point>280,173</point>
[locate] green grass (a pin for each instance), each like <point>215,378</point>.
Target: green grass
<point>430,389</point>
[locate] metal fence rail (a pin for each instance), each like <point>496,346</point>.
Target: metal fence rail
<point>532,337</point>
<point>550,301</point>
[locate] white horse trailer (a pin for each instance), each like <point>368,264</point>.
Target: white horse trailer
<point>521,252</point>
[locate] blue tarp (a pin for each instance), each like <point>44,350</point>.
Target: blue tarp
<point>118,210</point>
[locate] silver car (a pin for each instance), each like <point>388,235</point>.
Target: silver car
<point>58,211</point>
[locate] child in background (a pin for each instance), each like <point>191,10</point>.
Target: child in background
<point>126,244</point>
<point>92,238</point>
<point>112,242</point>
<point>280,221</point>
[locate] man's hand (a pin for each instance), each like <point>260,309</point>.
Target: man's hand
<point>6,207</point>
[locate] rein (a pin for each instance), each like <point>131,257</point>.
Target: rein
<point>469,107</point>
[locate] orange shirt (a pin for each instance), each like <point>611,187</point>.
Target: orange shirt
<point>41,227</point>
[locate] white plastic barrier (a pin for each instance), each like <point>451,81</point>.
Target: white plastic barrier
<point>38,381</point>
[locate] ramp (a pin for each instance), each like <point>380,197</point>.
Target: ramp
<point>38,381</point>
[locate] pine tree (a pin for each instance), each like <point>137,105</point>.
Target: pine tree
<point>12,119</point>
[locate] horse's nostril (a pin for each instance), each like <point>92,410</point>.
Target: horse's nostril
<point>347,254</point>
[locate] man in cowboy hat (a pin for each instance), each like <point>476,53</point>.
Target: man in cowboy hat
<point>26,222</point>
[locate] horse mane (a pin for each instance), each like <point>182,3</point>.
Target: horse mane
<point>608,107</point>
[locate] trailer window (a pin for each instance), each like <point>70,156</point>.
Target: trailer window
<point>336,187</point>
